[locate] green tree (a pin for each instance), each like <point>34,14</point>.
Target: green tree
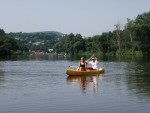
<point>142,31</point>
<point>7,44</point>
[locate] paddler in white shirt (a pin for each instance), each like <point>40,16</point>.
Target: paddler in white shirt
<point>93,63</point>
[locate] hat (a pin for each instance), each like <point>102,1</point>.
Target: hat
<point>93,58</point>
<point>82,58</point>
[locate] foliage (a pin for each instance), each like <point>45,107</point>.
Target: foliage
<point>41,41</point>
<point>134,39</point>
<point>7,44</point>
<point>142,31</point>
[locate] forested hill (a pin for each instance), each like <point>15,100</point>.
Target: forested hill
<point>36,40</point>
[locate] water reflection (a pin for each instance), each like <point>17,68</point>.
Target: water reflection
<point>138,79</point>
<point>86,83</point>
<point>38,57</point>
<point>1,76</point>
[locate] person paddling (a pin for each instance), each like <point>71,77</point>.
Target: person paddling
<point>93,62</point>
<point>82,65</point>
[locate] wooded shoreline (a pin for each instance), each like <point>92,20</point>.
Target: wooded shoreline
<point>133,39</point>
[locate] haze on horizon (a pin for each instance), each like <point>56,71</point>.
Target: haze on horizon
<point>87,17</point>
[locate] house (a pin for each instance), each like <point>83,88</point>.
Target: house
<point>50,50</point>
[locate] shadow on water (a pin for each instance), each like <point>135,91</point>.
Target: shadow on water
<point>85,83</point>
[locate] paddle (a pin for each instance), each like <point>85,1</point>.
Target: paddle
<point>73,66</point>
<point>89,58</point>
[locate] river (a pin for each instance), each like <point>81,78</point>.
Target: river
<point>39,84</point>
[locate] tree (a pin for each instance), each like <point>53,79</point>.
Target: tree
<point>130,28</point>
<point>118,36</point>
<point>142,31</point>
<point>2,33</point>
<point>7,44</point>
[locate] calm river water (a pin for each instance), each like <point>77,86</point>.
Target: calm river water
<point>39,84</point>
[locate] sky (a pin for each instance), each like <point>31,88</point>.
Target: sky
<point>87,17</point>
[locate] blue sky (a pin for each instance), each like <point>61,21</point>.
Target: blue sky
<point>87,17</point>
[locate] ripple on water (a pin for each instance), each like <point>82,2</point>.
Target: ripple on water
<point>37,86</point>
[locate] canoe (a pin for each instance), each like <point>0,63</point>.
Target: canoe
<point>73,72</point>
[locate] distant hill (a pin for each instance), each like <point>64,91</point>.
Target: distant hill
<point>50,32</point>
<point>36,40</point>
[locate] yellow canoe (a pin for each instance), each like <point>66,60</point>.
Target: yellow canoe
<point>73,72</point>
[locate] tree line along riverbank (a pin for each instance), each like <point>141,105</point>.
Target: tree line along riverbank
<point>132,39</point>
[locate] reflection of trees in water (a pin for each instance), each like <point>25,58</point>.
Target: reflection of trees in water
<point>130,58</point>
<point>2,75</point>
<point>138,80</point>
<point>139,84</point>
<point>85,82</point>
